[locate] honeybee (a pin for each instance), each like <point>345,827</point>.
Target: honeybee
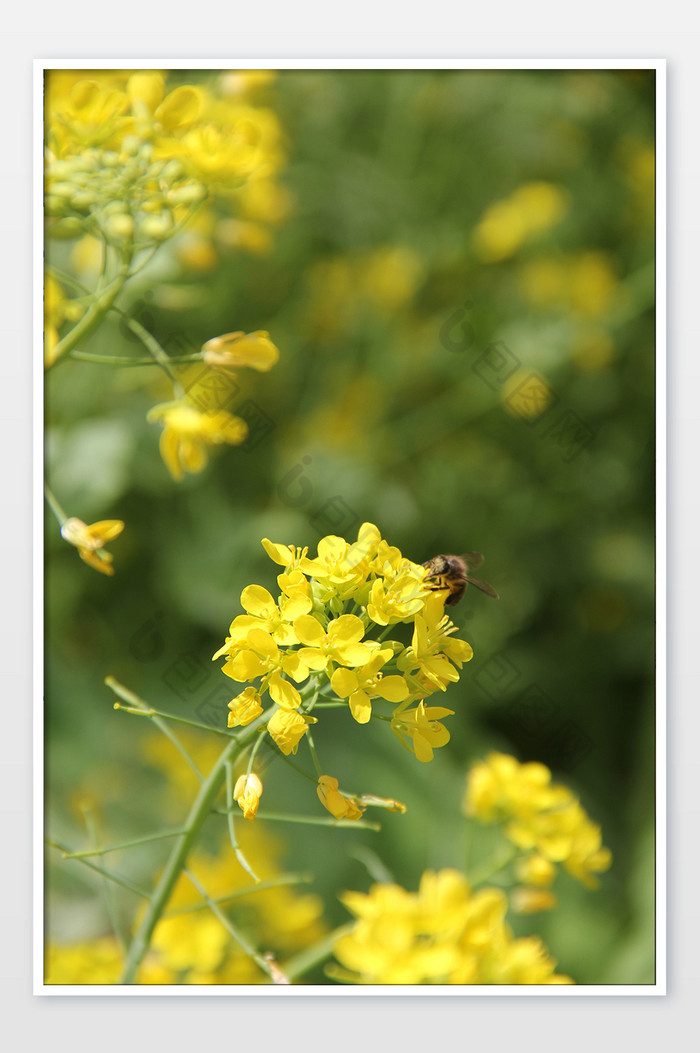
<point>452,573</point>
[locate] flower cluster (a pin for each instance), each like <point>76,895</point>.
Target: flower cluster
<point>445,933</point>
<point>543,819</point>
<point>327,630</point>
<point>131,157</point>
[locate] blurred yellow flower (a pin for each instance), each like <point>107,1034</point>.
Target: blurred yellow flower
<point>233,350</point>
<point>526,900</point>
<point>539,814</point>
<point>338,804</point>
<point>443,934</point>
<point>90,541</point>
<point>507,224</point>
<point>187,432</point>
<point>390,276</point>
<point>96,962</point>
<point>593,284</point>
<point>247,793</point>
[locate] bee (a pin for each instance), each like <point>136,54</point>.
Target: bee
<point>452,573</point>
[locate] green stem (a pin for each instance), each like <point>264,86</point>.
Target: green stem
<point>263,961</point>
<point>153,713</point>
<point>157,354</point>
<point>487,873</point>
<point>122,844</point>
<point>139,706</point>
<point>54,505</point>
<point>304,961</point>
<point>237,851</point>
<point>261,886</point>
<point>201,807</point>
<point>101,870</point>
<point>125,360</point>
<point>93,316</point>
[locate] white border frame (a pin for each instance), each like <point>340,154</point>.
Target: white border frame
<point>554,991</point>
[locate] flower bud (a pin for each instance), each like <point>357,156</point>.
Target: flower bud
<point>155,228</point>
<point>119,227</point>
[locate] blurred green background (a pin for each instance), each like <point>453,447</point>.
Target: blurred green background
<point>463,297</point>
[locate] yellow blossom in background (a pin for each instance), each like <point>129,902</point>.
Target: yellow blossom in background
<point>526,395</point>
<point>247,793</point>
<point>585,285</point>
<point>532,900</point>
<point>247,81</point>
<point>390,276</point>
<point>233,350</point>
<point>443,934</point>
<point>507,224</point>
<point>538,814</point>
<point>90,541</point>
<point>130,137</point>
<point>96,962</point>
<point>187,433</point>
<point>593,284</point>
<point>338,804</point>
<point>536,870</point>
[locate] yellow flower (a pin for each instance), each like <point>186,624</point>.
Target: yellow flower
<point>287,728</point>
<point>508,223</point>
<point>444,934</point>
<point>363,684</point>
<point>244,708</point>
<point>340,566</point>
<point>233,350</point>
<point>338,804</point>
<point>422,727</point>
<point>539,814</point>
<point>532,900</point>
<point>432,648</point>
<point>90,541</point>
<point>187,433</point>
<point>390,276</point>
<point>191,941</point>
<point>265,614</point>
<point>524,961</point>
<point>247,793</point>
<point>535,870</point>
<point>287,556</point>
<point>340,643</point>
<point>260,656</point>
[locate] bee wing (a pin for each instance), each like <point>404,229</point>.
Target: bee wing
<point>473,559</point>
<point>484,586</point>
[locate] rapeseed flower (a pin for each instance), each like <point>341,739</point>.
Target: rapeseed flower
<point>187,432</point>
<point>340,805</point>
<point>322,642</point>
<point>90,541</point>
<point>247,793</point>
<point>233,350</point>
<point>539,816</point>
<point>444,934</point>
